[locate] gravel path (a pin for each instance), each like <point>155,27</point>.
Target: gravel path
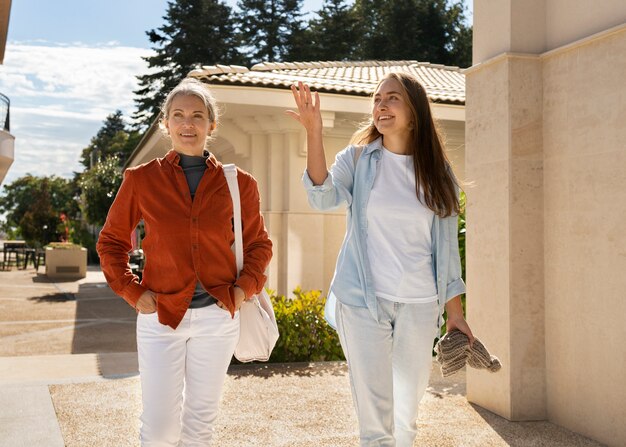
<point>296,405</point>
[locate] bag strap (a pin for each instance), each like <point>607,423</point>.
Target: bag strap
<point>230,172</point>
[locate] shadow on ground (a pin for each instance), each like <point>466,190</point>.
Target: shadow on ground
<point>532,433</point>
<point>271,370</point>
<point>42,278</point>
<point>53,298</point>
<point>104,322</point>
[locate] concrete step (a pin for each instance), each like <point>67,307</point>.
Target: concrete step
<point>47,369</point>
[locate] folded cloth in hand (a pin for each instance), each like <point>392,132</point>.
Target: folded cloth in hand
<point>453,352</point>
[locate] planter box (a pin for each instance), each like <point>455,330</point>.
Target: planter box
<point>66,263</point>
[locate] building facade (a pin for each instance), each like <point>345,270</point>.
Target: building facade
<point>7,141</point>
<point>255,133</point>
<point>546,251</point>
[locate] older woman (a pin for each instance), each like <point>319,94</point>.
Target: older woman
<point>189,297</point>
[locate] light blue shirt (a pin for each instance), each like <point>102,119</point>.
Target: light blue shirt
<point>352,281</point>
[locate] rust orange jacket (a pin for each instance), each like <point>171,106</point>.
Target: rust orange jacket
<point>184,241</point>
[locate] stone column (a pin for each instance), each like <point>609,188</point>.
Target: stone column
<point>504,161</point>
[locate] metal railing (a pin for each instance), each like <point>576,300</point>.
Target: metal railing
<point>5,122</point>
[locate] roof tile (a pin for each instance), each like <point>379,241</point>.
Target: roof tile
<point>444,84</point>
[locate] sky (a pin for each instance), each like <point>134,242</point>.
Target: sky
<point>68,64</point>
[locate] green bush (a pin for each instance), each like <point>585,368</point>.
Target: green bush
<point>304,334</point>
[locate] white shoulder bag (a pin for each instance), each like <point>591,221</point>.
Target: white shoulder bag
<point>258,332</point>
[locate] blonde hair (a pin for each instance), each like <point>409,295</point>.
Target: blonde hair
<point>190,87</point>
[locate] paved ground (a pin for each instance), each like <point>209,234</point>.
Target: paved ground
<point>68,377</point>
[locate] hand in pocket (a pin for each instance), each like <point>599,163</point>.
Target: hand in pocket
<point>147,302</point>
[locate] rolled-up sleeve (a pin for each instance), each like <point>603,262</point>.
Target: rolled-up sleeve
<point>337,188</point>
<point>455,285</point>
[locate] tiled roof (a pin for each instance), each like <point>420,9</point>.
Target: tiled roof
<point>443,84</point>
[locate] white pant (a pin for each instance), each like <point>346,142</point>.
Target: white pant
<point>389,363</point>
<point>182,372</point>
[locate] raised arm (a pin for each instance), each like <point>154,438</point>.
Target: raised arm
<point>310,117</point>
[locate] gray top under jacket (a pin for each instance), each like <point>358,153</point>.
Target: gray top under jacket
<point>194,168</point>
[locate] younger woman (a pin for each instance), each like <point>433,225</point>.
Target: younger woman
<point>399,265</point>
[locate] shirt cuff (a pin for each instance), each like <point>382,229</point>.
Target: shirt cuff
<point>248,285</point>
<point>455,288</point>
<point>133,292</point>
<point>308,183</point>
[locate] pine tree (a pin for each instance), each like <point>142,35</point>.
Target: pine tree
<point>460,37</point>
<point>270,30</point>
<point>373,40</point>
<point>334,34</point>
<point>425,30</point>
<point>196,32</point>
<point>106,140</point>
<point>114,138</point>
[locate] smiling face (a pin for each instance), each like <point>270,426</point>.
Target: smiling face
<point>390,112</point>
<point>188,124</point>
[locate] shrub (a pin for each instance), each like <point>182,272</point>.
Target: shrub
<point>304,334</point>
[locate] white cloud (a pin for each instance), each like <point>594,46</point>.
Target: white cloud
<point>105,74</point>
<point>60,94</point>
<point>54,111</point>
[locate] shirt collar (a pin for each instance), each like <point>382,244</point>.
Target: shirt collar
<point>173,158</point>
<point>376,145</point>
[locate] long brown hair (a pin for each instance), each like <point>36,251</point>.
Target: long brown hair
<point>432,171</point>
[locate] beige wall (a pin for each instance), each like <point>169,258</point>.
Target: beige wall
<point>546,252</point>
<point>585,244</point>
<point>504,234</point>
<point>569,21</point>
<point>537,26</point>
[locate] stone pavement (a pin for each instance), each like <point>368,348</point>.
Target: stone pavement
<point>68,377</point>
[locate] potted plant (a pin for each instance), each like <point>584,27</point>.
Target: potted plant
<point>65,260</point>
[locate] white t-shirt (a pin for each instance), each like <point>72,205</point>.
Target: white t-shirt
<point>399,244</point>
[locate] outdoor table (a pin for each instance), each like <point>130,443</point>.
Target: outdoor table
<point>12,247</point>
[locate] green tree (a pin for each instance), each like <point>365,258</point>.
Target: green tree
<point>113,139</point>
<point>99,187</point>
<point>459,44</point>
<point>370,19</point>
<point>196,32</point>
<point>271,30</point>
<point>106,136</point>
<point>425,30</point>
<point>333,35</point>
<point>35,208</point>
